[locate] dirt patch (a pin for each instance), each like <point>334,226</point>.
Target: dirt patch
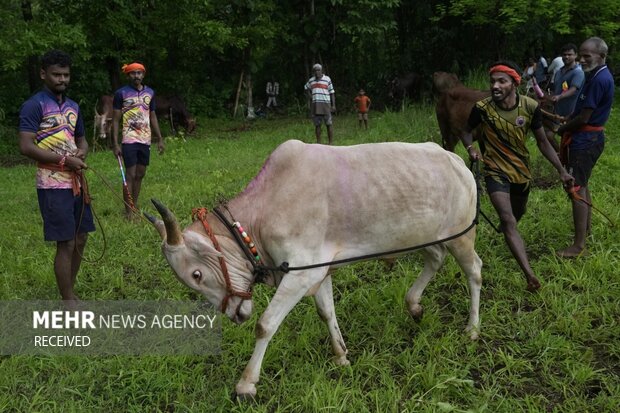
<point>544,182</point>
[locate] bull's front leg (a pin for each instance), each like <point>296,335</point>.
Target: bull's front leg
<point>290,291</point>
<point>324,300</point>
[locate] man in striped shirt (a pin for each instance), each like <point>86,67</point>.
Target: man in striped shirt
<point>320,91</point>
<point>507,118</point>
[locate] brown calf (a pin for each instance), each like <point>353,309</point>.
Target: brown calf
<point>173,108</point>
<point>453,107</point>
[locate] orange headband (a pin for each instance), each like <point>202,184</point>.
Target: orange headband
<point>133,67</point>
<point>508,70</point>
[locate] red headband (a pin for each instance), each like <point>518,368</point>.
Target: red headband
<point>133,67</point>
<point>508,70</point>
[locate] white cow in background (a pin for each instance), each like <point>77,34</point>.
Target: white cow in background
<point>313,204</point>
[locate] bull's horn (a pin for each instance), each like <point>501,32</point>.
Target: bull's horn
<point>158,224</point>
<point>172,230</point>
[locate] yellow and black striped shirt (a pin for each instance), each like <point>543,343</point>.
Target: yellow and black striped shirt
<point>504,135</point>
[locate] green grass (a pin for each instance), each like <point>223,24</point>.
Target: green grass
<point>557,350</point>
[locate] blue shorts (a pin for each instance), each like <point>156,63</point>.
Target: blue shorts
<point>582,161</point>
<point>136,153</point>
<point>62,214</point>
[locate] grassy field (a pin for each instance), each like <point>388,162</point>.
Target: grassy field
<point>554,351</point>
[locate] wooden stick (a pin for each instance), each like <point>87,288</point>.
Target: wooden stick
<point>552,116</point>
<point>238,93</point>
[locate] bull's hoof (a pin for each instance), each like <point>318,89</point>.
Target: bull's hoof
<point>416,311</point>
<point>243,398</point>
<point>474,332</point>
<point>341,361</point>
<point>389,264</point>
<point>245,393</point>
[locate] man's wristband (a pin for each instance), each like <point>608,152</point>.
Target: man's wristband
<point>469,147</point>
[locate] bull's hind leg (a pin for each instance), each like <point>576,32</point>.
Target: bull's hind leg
<point>462,249</point>
<point>324,300</point>
<point>433,259</point>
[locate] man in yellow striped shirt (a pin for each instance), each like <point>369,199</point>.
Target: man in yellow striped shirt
<point>506,119</point>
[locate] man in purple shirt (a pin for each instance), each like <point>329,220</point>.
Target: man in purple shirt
<point>583,137</point>
<point>51,131</point>
<point>134,108</point>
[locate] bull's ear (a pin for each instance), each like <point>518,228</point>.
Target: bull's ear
<point>158,224</point>
<point>200,244</point>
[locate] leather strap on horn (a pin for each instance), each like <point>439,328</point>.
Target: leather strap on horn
<point>201,214</point>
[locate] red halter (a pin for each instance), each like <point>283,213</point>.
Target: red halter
<point>201,214</point>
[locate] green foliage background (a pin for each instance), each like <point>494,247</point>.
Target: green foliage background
<point>198,49</point>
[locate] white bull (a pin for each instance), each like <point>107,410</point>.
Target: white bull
<point>312,204</point>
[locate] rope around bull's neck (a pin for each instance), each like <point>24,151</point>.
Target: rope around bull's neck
<point>261,270</point>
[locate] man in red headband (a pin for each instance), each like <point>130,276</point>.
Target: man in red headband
<point>506,118</point>
<point>134,104</point>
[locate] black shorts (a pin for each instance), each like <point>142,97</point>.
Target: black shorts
<point>582,161</point>
<point>62,214</point>
<point>136,154</point>
<point>502,184</point>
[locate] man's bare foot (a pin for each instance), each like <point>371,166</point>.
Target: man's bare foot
<point>532,284</point>
<point>572,252</point>
<point>72,304</point>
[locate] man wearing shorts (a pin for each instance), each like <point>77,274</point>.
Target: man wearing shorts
<point>362,102</point>
<point>320,92</point>
<point>51,131</point>
<point>134,106</point>
<point>506,118</point>
<point>583,137</point>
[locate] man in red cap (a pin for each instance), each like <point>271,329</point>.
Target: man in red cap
<point>135,105</point>
<point>506,118</point>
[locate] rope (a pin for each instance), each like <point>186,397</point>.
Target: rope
<point>284,267</point>
<point>86,199</point>
<point>201,214</point>
<point>115,193</point>
<point>474,167</point>
<point>574,195</point>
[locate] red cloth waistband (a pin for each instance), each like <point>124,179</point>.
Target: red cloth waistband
<point>590,128</point>
<point>78,181</point>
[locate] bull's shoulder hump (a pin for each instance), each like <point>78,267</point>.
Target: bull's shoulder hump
<point>290,149</point>
<point>291,145</point>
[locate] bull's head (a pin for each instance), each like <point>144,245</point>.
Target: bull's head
<point>191,125</point>
<point>394,88</point>
<point>103,125</point>
<point>195,262</point>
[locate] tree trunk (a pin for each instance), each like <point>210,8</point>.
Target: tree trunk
<point>238,93</point>
<point>248,83</point>
<point>113,66</point>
